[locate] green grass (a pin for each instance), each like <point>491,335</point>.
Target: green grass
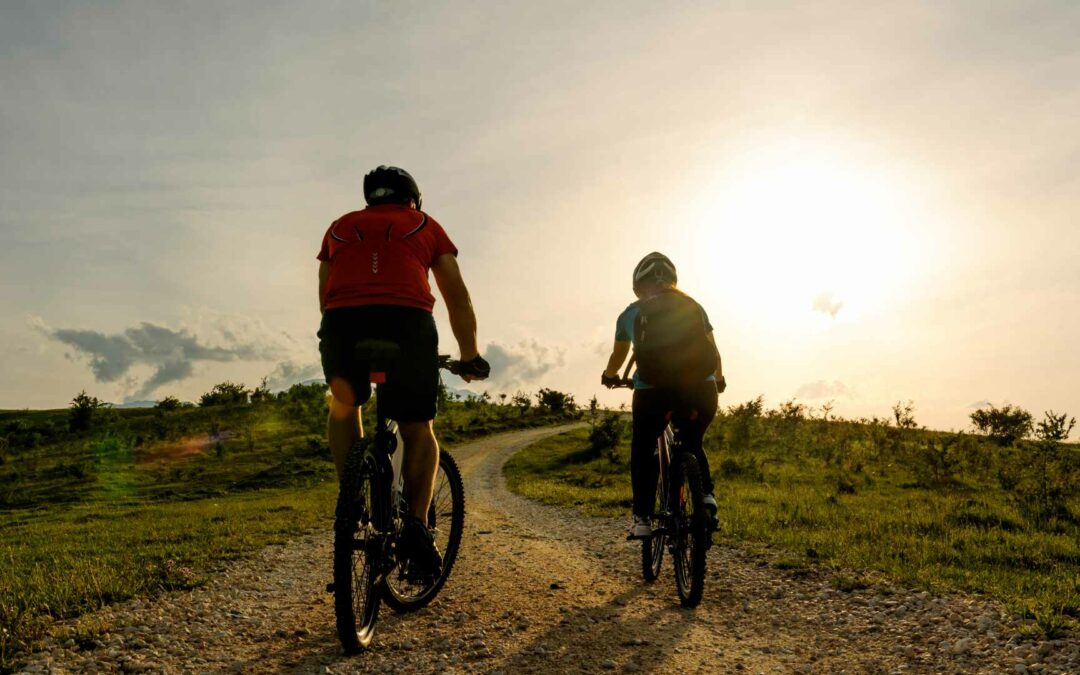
<point>58,565</point>
<point>126,509</point>
<point>861,499</point>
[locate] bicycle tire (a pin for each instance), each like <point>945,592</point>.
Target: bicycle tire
<point>447,506</point>
<point>652,549</point>
<point>652,556</point>
<point>691,530</point>
<point>357,551</point>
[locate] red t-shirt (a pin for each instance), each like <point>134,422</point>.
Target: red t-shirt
<point>381,256</point>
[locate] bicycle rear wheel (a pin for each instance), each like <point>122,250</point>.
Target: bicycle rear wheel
<point>691,530</point>
<point>358,549</point>
<point>446,520</point>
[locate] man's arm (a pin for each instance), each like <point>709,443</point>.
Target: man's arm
<point>618,355</point>
<point>324,274</point>
<point>458,304</point>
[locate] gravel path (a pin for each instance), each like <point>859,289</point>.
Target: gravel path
<point>538,589</point>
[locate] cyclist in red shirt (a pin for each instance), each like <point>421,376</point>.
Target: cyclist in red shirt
<point>373,284</point>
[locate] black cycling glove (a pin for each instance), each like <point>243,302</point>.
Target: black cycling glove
<point>610,382</point>
<point>477,368</point>
<point>721,385</point>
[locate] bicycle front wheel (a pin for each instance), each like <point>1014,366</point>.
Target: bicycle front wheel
<point>652,555</point>
<point>652,549</point>
<point>358,549</point>
<point>691,530</point>
<point>446,520</point>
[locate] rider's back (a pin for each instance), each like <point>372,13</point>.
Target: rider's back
<point>671,340</point>
<point>381,256</point>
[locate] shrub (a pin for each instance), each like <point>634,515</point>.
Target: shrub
<point>83,411</point>
<point>521,401</point>
<point>751,408</point>
<point>305,405</point>
<point>792,411</point>
<point>168,404</point>
<point>225,393</point>
<point>556,401</point>
<point>605,431</point>
<point>261,394</point>
<point>904,414</point>
<point>937,458</point>
<point>1042,477</point>
<point>1054,428</point>
<point>1005,425</point>
<point>743,416</point>
<point>826,409</point>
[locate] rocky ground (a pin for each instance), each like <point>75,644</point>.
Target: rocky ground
<point>538,589</point>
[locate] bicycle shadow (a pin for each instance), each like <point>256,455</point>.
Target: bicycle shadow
<point>605,637</point>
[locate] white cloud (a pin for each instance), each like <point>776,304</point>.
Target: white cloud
<point>822,390</point>
<point>522,364</point>
<point>826,303</point>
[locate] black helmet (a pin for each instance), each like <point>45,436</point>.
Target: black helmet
<point>654,268</point>
<point>389,184</point>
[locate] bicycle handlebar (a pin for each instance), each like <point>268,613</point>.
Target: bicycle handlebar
<point>449,363</point>
<point>477,368</point>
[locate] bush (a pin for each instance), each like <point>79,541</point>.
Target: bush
<point>904,414</point>
<point>168,404</point>
<point>262,393</point>
<point>225,393</point>
<point>743,416</point>
<point>556,401</point>
<point>1047,479</point>
<point>83,411</point>
<point>305,405</point>
<point>1005,425</point>
<point>938,458</point>
<point>521,401</point>
<point>605,431</point>
<point>792,411</point>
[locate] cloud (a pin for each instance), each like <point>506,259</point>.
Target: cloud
<point>822,390</point>
<point>288,373</point>
<point>171,353</point>
<point>521,364</point>
<point>827,304</point>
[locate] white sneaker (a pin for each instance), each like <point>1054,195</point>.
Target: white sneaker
<point>641,529</point>
<point>710,503</point>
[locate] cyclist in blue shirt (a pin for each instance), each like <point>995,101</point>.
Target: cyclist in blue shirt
<point>693,401</point>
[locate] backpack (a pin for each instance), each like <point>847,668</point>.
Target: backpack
<point>670,341</point>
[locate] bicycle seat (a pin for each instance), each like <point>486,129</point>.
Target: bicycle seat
<point>377,357</point>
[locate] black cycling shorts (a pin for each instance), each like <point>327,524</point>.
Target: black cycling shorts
<point>412,385</point>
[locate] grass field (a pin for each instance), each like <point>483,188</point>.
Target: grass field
<point>871,501</point>
<point>150,500</point>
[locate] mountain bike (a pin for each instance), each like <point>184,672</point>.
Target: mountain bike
<point>369,516</point>
<point>680,523</point>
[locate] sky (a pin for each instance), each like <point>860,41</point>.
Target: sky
<point>874,202</point>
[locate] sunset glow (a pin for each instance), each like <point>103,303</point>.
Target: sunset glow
<point>880,197</point>
<point>811,232</point>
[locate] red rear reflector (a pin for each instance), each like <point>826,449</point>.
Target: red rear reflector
<point>378,378</point>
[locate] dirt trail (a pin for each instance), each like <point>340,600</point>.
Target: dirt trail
<point>538,589</point>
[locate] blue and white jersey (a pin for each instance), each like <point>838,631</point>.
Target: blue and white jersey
<point>624,332</point>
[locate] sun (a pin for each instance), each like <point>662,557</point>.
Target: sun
<point>799,235</point>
